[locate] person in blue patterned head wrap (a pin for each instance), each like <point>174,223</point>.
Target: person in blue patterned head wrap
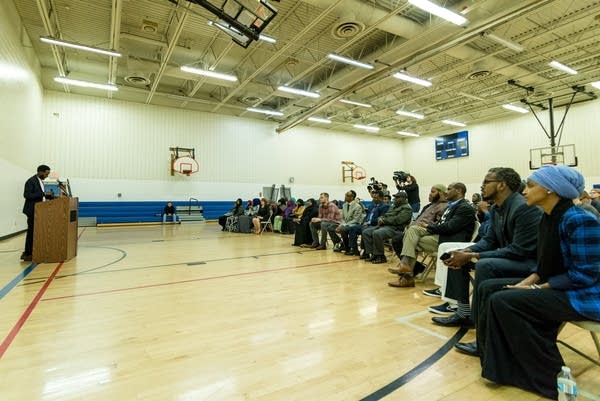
<point>566,182</point>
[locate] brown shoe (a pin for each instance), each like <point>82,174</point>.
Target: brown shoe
<point>320,248</point>
<point>315,245</point>
<point>403,268</point>
<point>394,271</point>
<point>404,281</point>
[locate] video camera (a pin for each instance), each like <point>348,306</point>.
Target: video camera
<point>400,178</point>
<point>375,185</point>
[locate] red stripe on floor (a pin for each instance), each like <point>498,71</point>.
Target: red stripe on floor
<point>193,280</point>
<point>17,327</point>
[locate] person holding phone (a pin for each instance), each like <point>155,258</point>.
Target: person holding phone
<point>517,339</point>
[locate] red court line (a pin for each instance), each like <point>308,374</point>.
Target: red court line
<point>17,327</point>
<point>192,280</point>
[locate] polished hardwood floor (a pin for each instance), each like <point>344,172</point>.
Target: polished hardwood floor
<point>187,312</point>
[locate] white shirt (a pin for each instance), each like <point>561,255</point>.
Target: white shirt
<point>43,188</point>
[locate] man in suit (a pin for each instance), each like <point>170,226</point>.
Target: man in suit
<point>508,249</point>
<point>33,193</point>
<point>455,225</point>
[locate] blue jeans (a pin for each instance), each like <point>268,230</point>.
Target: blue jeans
<point>165,217</point>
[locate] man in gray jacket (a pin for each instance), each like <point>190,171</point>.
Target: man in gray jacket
<point>396,218</point>
<point>352,215</point>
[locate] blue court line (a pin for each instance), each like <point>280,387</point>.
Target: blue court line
<point>8,287</point>
<point>417,370</point>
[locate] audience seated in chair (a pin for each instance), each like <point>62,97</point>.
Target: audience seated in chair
<point>352,216</point>
<point>431,213</point>
<point>374,212</point>
<point>303,236</point>
<point>517,336</point>
<point>264,213</point>
<point>287,225</point>
<point>507,249</point>
<point>456,224</point>
<point>237,210</point>
<point>394,220</point>
<point>329,216</point>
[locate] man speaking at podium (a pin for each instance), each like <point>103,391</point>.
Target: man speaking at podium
<point>33,193</point>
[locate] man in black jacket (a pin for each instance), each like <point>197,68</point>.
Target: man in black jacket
<point>33,193</point>
<point>455,225</point>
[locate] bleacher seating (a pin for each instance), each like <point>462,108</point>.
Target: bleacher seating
<point>134,211</point>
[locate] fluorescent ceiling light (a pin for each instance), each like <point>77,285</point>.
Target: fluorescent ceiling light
<point>414,80</point>
<point>265,111</point>
<point>73,45</point>
<point>515,108</point>
<point>266,38</point>
<point>355,103</point>
<point>367,127</point>
<point>319,120</point>
<point>455,123</point>
<point>562,67</point>
<point>298,91</point>
<point>350,61</point>
<point>405,133</point>
<point>410,114</point>
<point>505,42</point>
<point>596,84</point>
<point>86,84</point>
<point>439,11</point>
<point>208,73</point>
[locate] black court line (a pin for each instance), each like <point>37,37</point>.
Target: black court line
<point>417,370</point>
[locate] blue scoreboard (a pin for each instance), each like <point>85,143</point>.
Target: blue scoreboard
<point>452,146</point>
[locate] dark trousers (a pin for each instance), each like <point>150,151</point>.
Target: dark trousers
<point>223,221</point>
<point>457,285</point>
<point>397,243</point>
<point>517,335</point>
<point>29,237</point>
<point>350,235</point>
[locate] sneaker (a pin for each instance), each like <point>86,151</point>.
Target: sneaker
<point>433,293</point>
<point>443,309</point>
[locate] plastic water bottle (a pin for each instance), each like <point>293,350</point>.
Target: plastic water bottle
<point>567,388</point>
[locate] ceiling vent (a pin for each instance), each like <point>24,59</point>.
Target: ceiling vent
<point>149,26</point>
<point>480,70</point>
<point>250,100</point>
<point>138,79</point>
<point>347,26</point>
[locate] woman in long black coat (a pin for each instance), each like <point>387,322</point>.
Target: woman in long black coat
<point>303,235</point>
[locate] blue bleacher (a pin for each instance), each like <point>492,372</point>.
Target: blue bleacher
<point>143,211</point>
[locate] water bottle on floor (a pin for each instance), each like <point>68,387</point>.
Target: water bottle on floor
<point>567,388</point>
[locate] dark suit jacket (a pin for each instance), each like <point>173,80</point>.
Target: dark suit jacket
<point>458,224</point>
<point>32,194</point>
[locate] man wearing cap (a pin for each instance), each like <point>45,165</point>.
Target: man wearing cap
<point>455,225</point>
<point>394,220</point>
<point>508,249</point>
<point>431,213</point>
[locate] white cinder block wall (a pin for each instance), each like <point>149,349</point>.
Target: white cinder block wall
<point>107,146</point>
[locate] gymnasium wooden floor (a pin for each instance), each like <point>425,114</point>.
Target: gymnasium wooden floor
<point>187,312</point>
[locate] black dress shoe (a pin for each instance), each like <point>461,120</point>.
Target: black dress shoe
<point>352,252</point>
<point>379,259</point>
<point>453,320</point>
<point>365,256</point>
<point>467,348</point>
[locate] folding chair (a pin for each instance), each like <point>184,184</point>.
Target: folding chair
<point>594,329</point>
<point>267,222</point>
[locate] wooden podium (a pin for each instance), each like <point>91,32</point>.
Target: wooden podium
<point>55,230</point>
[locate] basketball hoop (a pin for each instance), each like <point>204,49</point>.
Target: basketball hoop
<point>185,165</point>
<point>359,173</point>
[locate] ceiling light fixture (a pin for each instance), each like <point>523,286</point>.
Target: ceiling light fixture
<point>505,42</point>
<point>439,11</point>
<point>596,84</point>
<point>355,103</point>
<point>515,108</point>
<point>350,61</point>
<point>406,133</point>
<point>265,111</point>
<point>418,81</point>
<point>562,67</point>
<point>455,123</point>
<point>266,38</point>
<point>208,73</point>
<point>298,91</point>
<point>73,45</point>
<point>410,114</point>
<point>367,127</point>
<point>86,84</point>
<point>319,120</point>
